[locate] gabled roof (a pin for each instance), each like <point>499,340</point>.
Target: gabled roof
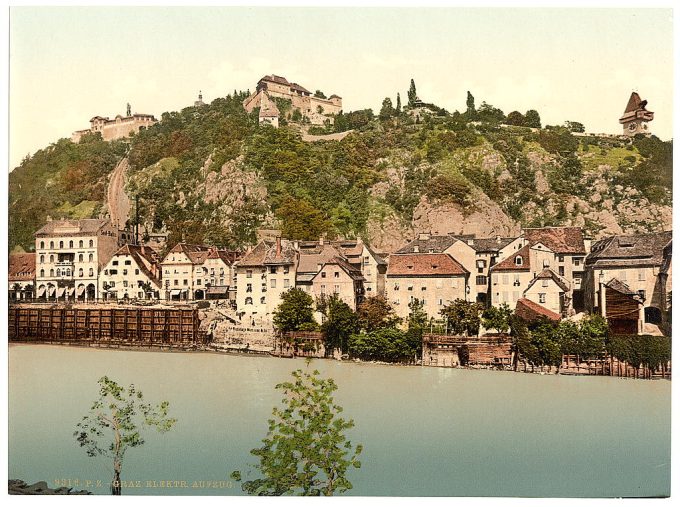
<point>354,273</point>
<point>265,253</point>
<point>21,267</point>
<point>275,79</point>
<point>561,240</point>
<point>509,263</point>
<point>424,264</point>
<point>197,254</point>
<point>227,256</point>
<point>310,259</point>
<point>86,226</point>
<point>621,287</point>
<point>140,254</point>
<point>549,274</point>
<point>490,244</point>
<point>530,311</point>
<point>630,251</point>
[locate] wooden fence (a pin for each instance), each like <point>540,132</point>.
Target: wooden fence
<point>113,327</point>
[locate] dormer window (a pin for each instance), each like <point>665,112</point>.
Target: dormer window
<point>519,260</point>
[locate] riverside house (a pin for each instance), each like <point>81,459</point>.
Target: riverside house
<point>183,272</point>
<point>21,276</point>
<point>134,272</point>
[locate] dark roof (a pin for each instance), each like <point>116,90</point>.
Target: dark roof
<point>549,274</point>
<point>424,264</point>
<point>509,263</point>
<point>334,96</point>
<point>86,226</point>
<point>561,240</point>
<point>275,79</point>
<point>299,88</point>
<point>21,267</point>
<point>433,244</point>
<point>629,251</point>
<point>530,311</point>
<point>354,273</point>
<point>490,244</point>
<point>197,254</point>
<point>265,253</point>
<point>141,254</point>
<point>619,286</point>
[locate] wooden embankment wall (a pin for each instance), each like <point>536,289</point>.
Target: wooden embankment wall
<point>112,327</point>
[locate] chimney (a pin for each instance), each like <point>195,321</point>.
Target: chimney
<point>278,246</point>
<point>424,236</point>
<point>416,249</point>
<point>498,239</point>
<point>321,241</point>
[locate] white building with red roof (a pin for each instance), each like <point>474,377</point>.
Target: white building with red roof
<point>134,272</point>
<point>436,279</point>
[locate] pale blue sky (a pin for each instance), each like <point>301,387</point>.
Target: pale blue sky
<point>69,64</point>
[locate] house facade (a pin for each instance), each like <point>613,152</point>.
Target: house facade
<point>550,291</point>
<point>70,255</point>
<point>182,267</point>
<point>435,279</point>
<point>134,272</point>
<point>21,276</point>
<point>339,277</point>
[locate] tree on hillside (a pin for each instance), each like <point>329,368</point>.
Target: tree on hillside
<point>375,313</point>
<point>470,103</point>
<point>412,95</point>
<point>462,317</point>
<point>121,414</point>
<point>574,126</point>
<point>397,108</point>
<point>490,114</point>
<point>306,451</point>
<point>339,321</point>
<point>295,311</point>
<point>515,118</point>
<point>319,94</point>
<point>532,119</point>
<point>302,220</point>
<point>386,111</point>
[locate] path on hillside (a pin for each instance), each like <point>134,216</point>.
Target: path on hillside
<point>117,201</point>
<point>326,137</point>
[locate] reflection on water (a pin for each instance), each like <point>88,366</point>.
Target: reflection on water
<point>425,431</point>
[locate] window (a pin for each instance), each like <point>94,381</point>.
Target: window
<point>541,297</point>
<point>42,259</point>
<point>515,296</point>
<point>115,263</point>
<point>272,270</point>
<point>323,274</point>
<point>176,282</point>
<point>481,280</point>
<point>641,276</point>
<point>80,257</point>
<point>249,301</point>
<point>128,263</point>
<point>113,271</point>
<point>623,276</point>
<point>423,288</point>
<point>112,284</point>
<point>441,302</point>
<point>561,270</point>
<point>505,297</point>
<point>198,282</point>
<point>506,279</point>
<point>410,287</point>
<point>336,274</point>
<point>336,289</point>
<point>544,282</point>
<point>91,243</point>
<point>262,300</point>
<point>125,271</point>
<point>136,271</point>
<point>70,244</point>
<point>91,272</point>
<point>546,263</point>
<point>80,272</point>
<point>519,261</point>
<point>42,245</point>
<point>515,282</point>
<point>560,258</point>
<point>249,287</point>
<point>51,245</point>
<point>125,284</point>
<point>286,283</point>
<point>42,273</point>
<point>396,286</point>
<point>642,294</point>
<point>80,244</point>
<point>58,272</point>
<point>365,260</point>
<point>577,261</point>
<point>185,281</point>
<point>577,282</point>
<point>285,270</point>
<point>90,257</point>
<point>272,283</point>
<point>323,289</point>
<point>61,244</point>
<point>51,259</point>
<point>249,273</point>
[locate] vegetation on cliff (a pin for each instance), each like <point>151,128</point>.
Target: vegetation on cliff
<point>213,174</point>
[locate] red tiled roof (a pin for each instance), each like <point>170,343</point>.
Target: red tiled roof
<point>561,240</point>
<point>425,264</point>
<point>530,311</point>
<point>21,267</point>
<point>509,264</point>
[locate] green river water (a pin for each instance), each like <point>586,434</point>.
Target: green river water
<point>425,431</point>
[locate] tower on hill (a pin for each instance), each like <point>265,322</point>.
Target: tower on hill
<point>635,117</point>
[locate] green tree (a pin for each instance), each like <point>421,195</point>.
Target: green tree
<point>532,119</point>
<point>470,103</point>
<point>574,126</point>
<point>490,114</point>
<point>387,344</point>
<point>462,317</point>
<point>386,111</point>
<point>119,414</point>
<point>375,312</point>
<point>306,451</point>
<point>302,220</point>
<point>295,310</point>
<point>412,95</point>
<point>397,109</point>
<point>319,94</point>
<point>340,322</point>
<point>497,318</point>
<point>515,118</point>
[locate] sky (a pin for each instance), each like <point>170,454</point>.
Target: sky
<point>68,64</point>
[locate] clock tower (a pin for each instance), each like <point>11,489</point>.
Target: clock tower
<point>635,117</point>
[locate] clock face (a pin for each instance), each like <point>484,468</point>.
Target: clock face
<point>632,126</point>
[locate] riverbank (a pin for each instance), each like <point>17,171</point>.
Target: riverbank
<point>244,352</point>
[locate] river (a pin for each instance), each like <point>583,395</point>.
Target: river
<point>425,431</point>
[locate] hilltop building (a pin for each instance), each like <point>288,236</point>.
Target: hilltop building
<point>318,110</point>
<point>199,102</point>
<point>636,116</point>
<point>118,128</point>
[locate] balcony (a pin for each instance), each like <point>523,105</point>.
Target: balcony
<point>64,264</point>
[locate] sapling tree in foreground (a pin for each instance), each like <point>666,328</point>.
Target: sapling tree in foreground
<point>115,422</point>
<point>305,452</point>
